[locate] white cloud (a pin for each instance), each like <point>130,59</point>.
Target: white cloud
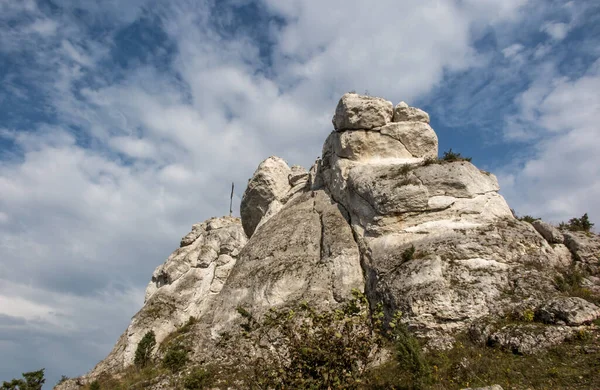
<point>562,179</point>
<point>512,50</point>
<point>556,30</point>
<point>140,153</point>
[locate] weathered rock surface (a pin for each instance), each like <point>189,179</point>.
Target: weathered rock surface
<point>270,183</point>
<point>585,247</point>
<point>355,112</point>
<point>183,287</point>
<point>404,113</point>
<point>549,232</point>
<point>304,253</point>
<point>471,256</point>
<point>568,310</point>
<point>430,238</point>
<point>417,137</point>
<point>521,338</point>
<point>493,387</point>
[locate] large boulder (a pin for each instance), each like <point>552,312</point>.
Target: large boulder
<point>417,137</point>
<point>569,310</point>
<point>549,232</point>
<point>270,183</point>
<point>356,112</point>
<point>359,145</point>
<point>404,113</point>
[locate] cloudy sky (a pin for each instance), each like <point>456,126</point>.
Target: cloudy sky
<point>124,122</point>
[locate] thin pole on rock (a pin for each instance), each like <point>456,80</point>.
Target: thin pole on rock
<point>231,201</point>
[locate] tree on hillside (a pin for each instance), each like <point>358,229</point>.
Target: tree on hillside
<point>31,381</point>
<point>143,353</point>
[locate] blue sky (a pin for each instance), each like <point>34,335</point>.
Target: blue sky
<point>123,123</point>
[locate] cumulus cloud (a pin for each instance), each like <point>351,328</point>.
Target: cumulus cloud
<point>128,123</point>
<point>561,179</point>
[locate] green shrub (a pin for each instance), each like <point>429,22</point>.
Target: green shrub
<point>143,353</point>
<point>197,379</point>
<point>405,169</point>
<point>33,380</point>
<point>63,378</point>
<point>95,385</point>
<point>528,315</point>
<point>451,156</point>
<point>527,218</point>
<point>408,254</point>
<point>316,349</point>
<point>412,364</point>
<point>582,224</point>
<point>175,358</point>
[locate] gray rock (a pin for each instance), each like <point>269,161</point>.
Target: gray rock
<point>418,138</point>
<point>355,112</point>
<point>185,285</point>
<point>585,247</point>
<point>570,310</point>
<point>367,145</point>
<point>269,183</point>
<point>297,175</point>
<point>352,222</point>
<point>191,236</point>
<point>549,232</point>
<point>404,113</point>
<point>529,338</point>
<point>457,179</point>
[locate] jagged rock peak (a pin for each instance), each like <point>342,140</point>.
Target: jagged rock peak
<point>378,212</point>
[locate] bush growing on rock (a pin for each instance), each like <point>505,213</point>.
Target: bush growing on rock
<point>451,156</point>
<point>582,224</point>
<point>448,156</point>
<point>198,379</point>
<point>175,358</point>
<point>314,349</point>
<point>143,353</point>
<point>330,349</point>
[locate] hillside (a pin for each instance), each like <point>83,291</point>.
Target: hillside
<point>384,263</point>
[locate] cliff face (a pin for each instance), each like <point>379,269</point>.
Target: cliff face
<point>379,212</point>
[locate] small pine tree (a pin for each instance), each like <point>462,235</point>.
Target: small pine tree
<point>32,381</point>
<point>582,224</point>
<point>143,353</point>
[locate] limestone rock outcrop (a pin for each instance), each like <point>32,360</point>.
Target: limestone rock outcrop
<point>378,212</point>
<point>266,189</point>
<point>182,287</point>
<point>362,112</point>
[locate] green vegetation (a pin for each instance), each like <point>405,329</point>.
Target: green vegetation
<point>527,218</point>
<point>197,379</point>
<point>451,156</point>
<point>318,349</point>
<point>408,254</point>
<point>570,283</point>
<point>95,385</point>
<point>31,381</point>
<point>405,169</point>
<point>176,358</point>
<point>143,353</point>
<point>582,224</point>
<point>447,157</point>
<point>62,379</point>
<point>528,315</point>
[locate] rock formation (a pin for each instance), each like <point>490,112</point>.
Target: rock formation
<point>379,212</point>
